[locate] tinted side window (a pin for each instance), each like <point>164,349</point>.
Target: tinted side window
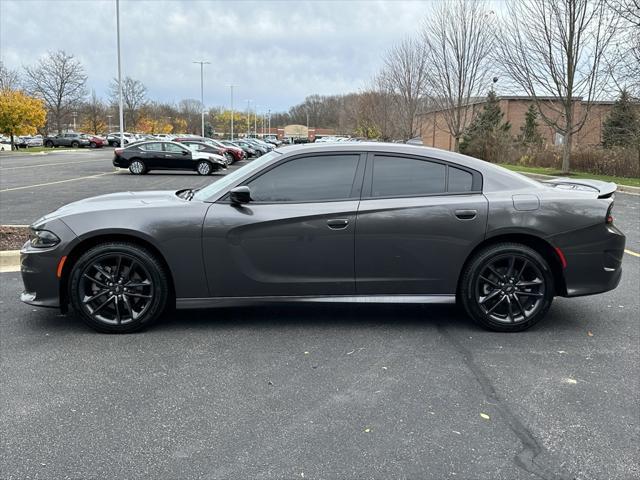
<point>396,176</point>
<point>152,147</point>
<point>459,181</point>
<point>307,179</point>
<point>170,147</point>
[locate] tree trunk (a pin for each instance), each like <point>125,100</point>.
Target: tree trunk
<point>13,145</point>
<point>566,152</point>
<point>456,144</point>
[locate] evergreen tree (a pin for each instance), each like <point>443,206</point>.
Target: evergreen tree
<point>488,133</point>
<point>529,134</point>
<point>622,126</point>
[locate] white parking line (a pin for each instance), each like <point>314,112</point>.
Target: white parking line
<point>632,253</point>
<point>51,164</point>
<point>54,183</point>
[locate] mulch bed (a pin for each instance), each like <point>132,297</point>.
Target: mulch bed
<point>12,238</point>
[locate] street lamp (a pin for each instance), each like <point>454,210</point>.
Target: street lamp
<point>202,64</point>
<point>248,117</point>
<point>121,110</point>
<point>231,87</point>
<point>255,120</point>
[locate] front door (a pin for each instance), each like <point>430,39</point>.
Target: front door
<point>296,236</point>
<point>416,225</point>
<point>177,157</point>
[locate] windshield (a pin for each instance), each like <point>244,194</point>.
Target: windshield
<point>229,179</point>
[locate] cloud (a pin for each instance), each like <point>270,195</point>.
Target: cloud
<point>276,52</point>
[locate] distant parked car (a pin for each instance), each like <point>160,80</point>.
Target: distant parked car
<point>206,147</point>
<point>5,143</point>
<point>73,140</point>
<point>142,157</point>
<point>236,153</point>
<point>248,150</point>
<point>95,141</point>
<point>113,139</point>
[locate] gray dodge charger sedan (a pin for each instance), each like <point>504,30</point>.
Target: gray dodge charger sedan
<point>362,222</point>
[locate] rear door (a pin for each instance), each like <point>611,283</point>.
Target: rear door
<point>417,222</point>
<point>152,154</point>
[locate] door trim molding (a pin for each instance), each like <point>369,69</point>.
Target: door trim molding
<point>187,303</point>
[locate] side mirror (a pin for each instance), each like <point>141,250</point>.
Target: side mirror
<point>240,195</point>
<point>186,152</point>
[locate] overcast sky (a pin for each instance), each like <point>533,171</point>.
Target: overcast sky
<point>276,52</point>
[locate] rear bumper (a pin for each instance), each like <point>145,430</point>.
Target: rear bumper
<point>594,259</point>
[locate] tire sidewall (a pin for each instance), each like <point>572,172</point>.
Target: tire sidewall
<point>141,172</point>
<point>158,276</point>
<point>475,268</point>
<point>201,162</point>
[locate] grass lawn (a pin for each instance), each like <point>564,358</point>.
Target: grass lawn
<point>630,181</point>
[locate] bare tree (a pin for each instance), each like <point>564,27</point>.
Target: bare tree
<point>9,79</point>
<point>94,113</point>
<point>458,37</point>
<point>134,96</point>
<point>625,62</point>
<point>404,79</point>
<point>58,79</point>
<point>190,109</point>
<point>555,51</point>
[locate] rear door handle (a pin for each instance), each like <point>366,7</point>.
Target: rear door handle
<point>466,214</point>
<point>338,223</point>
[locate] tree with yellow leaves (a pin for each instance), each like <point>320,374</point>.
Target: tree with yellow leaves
<point>20,114</point>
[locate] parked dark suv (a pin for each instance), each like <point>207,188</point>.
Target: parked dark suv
<point>73,140</point>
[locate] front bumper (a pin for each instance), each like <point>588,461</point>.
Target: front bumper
<point>39,266</point>
<point>594,259</point>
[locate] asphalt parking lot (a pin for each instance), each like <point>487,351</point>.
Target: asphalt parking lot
<point>310,392</point>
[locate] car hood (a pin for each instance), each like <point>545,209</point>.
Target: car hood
<point>114,201</point>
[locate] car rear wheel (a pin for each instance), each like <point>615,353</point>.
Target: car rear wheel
<point>204,168</point>
<point>48,144</point>
<point>507,287</point>
<point>118,287</point>
<point>137,167</point>
<point>93,145</point>
<point>75,144</point>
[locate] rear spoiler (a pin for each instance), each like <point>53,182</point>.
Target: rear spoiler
<point>603,189</point>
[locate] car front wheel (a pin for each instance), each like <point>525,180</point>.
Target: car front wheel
<point>75,144</point>
<point>507,287</point>
<point>204,167</point>
<point>118,287</point>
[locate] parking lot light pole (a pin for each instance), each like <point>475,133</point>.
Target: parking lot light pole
<point>202,63</point>
<point>231,87</point>
<point>121,110</point>
<point>248,117</point>
<point>269,121</point>
<point>255,120</point>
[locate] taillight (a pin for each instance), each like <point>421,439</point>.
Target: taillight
<point>609,218</point>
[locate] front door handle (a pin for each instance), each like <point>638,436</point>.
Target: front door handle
<point>466,214</point>
<point>338,223</point>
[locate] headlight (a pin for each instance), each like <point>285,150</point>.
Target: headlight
<point>43,239</point>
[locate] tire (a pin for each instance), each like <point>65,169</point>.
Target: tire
<point>229,157</point>
<point>258,153</point>
<point>92,145</point>
<point>137,167</point>
<point>204,168</point>
<point>507,287</point>
<point>75,144</point>
<point>118,287</point>
<point>48,144</point>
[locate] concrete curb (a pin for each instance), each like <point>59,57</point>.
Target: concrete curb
<point>542,178</point>
<point>9,261</point>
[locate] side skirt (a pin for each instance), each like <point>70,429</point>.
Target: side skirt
<point>184,303</point>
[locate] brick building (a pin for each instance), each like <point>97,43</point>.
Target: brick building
<point>434,132</point>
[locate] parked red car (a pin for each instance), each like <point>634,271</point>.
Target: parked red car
<point>232,153</point>
<point>95,141</point>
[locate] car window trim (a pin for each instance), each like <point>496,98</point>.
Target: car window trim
<point>361,161</point>
<point>476,179</point>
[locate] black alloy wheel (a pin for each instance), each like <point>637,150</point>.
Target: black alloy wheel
<point>118,287</point>
<point>507,287</point>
